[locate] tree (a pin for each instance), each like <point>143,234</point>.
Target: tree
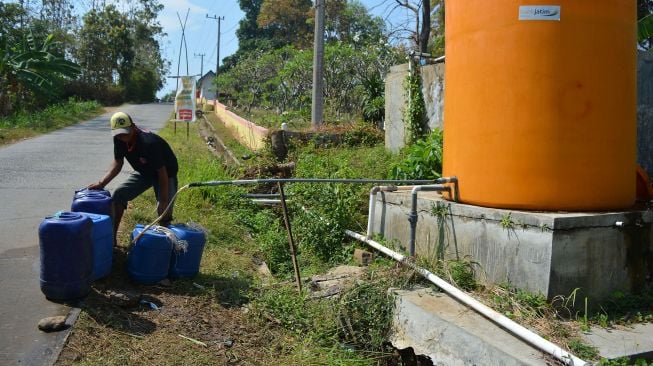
<point>436,44</point>
<point>121,50</point>
<point>104,46</point>
<point>250,36</point>
<point>349,22</point>
<point>422,16</point>
<point>287,20</point>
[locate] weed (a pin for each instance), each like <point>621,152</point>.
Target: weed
<point>584,322</point>
<point>506,221</point>
<point>293,311</point>
<point>460,273</point>
<point>440,210</point>
<point>364,315</point>
<point>582,350</point>
<point>623,361</point>
<point>517,303</point>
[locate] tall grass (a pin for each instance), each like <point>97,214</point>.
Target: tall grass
<point>54,116</point>
<point>27,124</point>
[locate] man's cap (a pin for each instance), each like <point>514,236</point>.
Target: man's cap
<point>121,122</point>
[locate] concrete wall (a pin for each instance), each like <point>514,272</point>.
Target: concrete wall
<point>645,111</point>
<point>547,253</point>
<point>247,133</point>
<point>395,101</point>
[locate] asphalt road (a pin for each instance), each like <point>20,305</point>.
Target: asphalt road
<point>38,178</point>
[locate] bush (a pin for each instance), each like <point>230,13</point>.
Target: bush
<point>423,160</point>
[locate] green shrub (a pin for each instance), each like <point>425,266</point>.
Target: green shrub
<point>364,315</point>
<point>423,160</point>
<point>54,116</point>
<point>362,134</point>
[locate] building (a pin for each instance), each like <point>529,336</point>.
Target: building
<point>206,86</point>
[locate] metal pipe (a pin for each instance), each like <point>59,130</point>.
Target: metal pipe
<point>263,201</point>
<point>413,216</point>
<point>291,241</point>
<point>261,195</point>
<point>309,180</point>
<point>518,330</point>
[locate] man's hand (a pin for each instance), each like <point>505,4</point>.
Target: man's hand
<point>161,207</point>
<point>96,186</point>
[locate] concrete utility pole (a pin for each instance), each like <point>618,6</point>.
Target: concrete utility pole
<point>217,62</point>
<point>318,68</point>
<point>201,56</point>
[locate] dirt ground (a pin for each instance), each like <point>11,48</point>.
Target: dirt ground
<point>196,322</point>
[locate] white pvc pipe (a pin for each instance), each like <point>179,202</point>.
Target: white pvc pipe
<point>372,207</point>
<point>370,214</point>
<point>518,330</point>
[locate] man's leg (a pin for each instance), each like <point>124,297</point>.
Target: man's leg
<point>127,191</point>
<point>172,190</point>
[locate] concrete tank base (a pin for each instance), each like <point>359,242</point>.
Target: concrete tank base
<point>550,253</point>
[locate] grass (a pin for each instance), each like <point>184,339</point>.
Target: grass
<point>29,124</point>
<point>268,321</point>
<point>225,135</point>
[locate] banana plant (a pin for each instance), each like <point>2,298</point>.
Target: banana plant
<point>645,28</point>
<point>34,66</point>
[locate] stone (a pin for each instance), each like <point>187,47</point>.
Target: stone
<point>125,299</point>
<point>362,257</point>
<point>53,323</point>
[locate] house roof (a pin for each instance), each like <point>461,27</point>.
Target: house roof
<point>209,74</point>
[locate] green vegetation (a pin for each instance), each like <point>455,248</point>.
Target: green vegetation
<point>25,124</point>
<point>645,24</point>
<point>47,55</point>
<point>414,115</point>
<point>421,160</point>
<point>272,68</point>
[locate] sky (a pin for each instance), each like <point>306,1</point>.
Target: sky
<point>201,32</point>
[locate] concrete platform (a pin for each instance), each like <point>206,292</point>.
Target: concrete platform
<point>634,342</point>
<point>541,252</point>
<point>449,333</point>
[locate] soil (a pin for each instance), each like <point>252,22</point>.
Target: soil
<point>186,311</point>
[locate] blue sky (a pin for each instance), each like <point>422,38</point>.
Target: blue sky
<point>201,32</point>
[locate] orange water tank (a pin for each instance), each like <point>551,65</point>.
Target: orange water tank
<point>540,103</point>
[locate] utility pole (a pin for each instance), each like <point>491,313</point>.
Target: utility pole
<point>318,66</point>
<point>201,56</point>
<point>217,62</point>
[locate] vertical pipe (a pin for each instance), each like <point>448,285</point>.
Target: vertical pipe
<point>370,215</point>
<point>318,62</point>
<point>293,252</point>
<point>413,216</point>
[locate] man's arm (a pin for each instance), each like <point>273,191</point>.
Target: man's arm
<point>164,199</point>
<point>116,167</point>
